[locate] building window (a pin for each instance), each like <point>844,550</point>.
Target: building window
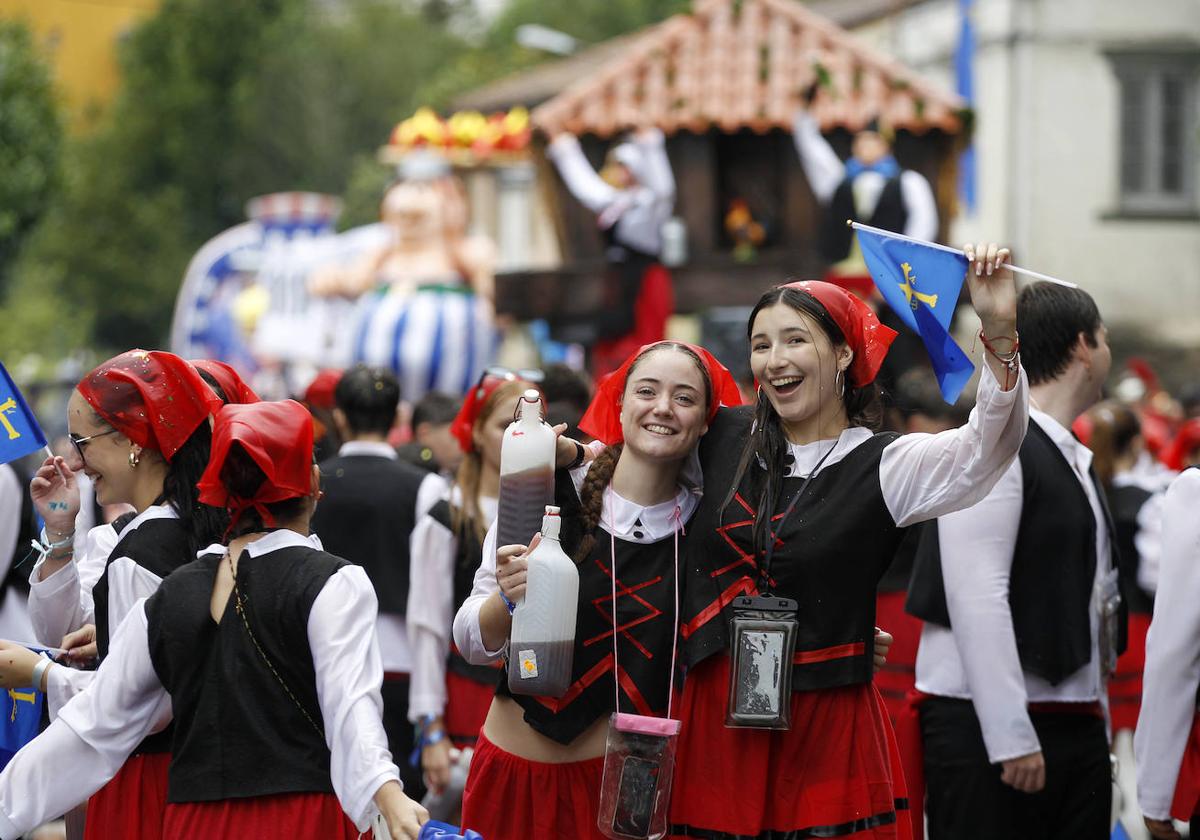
<point>1158,130</point>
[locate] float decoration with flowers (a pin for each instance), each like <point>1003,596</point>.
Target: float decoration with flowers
<point>467,139</point>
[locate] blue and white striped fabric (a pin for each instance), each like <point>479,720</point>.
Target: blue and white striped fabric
<point>438,338</point>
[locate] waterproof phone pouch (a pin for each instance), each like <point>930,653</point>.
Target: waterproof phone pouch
<point>762,642</point>
<point>639,762</point>
<point>1108,600</point>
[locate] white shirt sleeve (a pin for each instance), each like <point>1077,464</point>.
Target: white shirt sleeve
<point>581,180</point>
<point>1172,672</point>
<point>823,168</point>
<point>345,652</point>
<point>62,684</point>
<point>467,635</point>
<point>977,551</point>
<point>63,601</point>
<point>924,476</point>
<point>922,222</point>
<point>432,489</point>
<point>430,615</point>
<point>92,737</point>
<point>1148,542</point>
<point>657,175</point>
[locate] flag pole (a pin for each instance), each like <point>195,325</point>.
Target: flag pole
<point>938,247</point>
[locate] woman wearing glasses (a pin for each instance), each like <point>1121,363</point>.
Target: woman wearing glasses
<point>139,423</point>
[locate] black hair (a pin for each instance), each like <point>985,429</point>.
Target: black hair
<point>242,477</point>
<point>436,408</point>
<point>567,394</point>
<point>212,383</point>
<point>205,524</point>
<point>917,392</point>
<point>767,444</point>
<point>1050,319</point>
<point>368,396</point>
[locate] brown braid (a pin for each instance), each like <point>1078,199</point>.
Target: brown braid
<point>591,497</point>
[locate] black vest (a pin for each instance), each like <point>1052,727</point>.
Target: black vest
<point>835,235</point>
<point>238,733</point>
<point>367,516</point>
<point>1126,503</point>
<point>829,557</point>
<point>467,557</point>
<point>1053,569</point>
<point>645,610</point>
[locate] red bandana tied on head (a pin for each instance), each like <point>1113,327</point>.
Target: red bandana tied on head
<point>278,436</point>
<point>319,393</point>
<point>464,422</point>
<point>868,338</point>
<point>603,417</point>
<point>171,399</point>
<point>235,388</point>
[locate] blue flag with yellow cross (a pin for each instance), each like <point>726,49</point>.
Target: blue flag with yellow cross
<point>921,284</point>
<point>20,433</point>
<point>22,715</point>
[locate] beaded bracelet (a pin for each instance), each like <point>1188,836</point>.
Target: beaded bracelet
<point>1012,365</point>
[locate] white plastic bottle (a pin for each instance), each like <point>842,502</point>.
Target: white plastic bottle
<point>541,647</point>
<point>526,473</point>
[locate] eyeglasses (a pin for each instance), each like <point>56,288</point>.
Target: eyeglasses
<point>80,442</point>
<point>507,375</point>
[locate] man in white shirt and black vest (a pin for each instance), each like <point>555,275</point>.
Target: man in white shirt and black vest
<point>371,502</point>
<point>1023,623</point>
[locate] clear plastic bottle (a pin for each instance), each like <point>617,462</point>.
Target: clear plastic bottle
<point>541,647</point>
<point>526,473</point>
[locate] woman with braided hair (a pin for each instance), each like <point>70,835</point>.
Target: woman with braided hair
<point>537,767</point>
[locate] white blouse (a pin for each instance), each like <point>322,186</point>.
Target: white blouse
<point>96,732</point>
<point>1172,673</point>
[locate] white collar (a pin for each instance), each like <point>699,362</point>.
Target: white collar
<point>380,449</point>
<point>805,457</point>
<point>165,511</point>
<point>1062,436</point>
<point>283,538</point>
<point>632,522</point>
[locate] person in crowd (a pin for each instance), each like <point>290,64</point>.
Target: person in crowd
<point>139,423</point>
<point>318,399</point>
<point>449,697</point>
<point>371,504</point>
<point>1167,741</point>
<point>1023,620</point>
<point>568,395</point>
<point>537,768</point>
<point>265,650</point>
<point>433,446</point>
<point>812,511</point>
<point>1184,449</point>
<point>632,197</point>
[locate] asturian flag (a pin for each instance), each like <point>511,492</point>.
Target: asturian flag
<point>22,713</point>
<point>922,283</point>
<point>20,433</point>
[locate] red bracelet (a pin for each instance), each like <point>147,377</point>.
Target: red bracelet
<point>1012,364</point>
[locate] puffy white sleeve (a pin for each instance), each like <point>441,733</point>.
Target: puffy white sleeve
<point>63,601</point>
<point>918,200</point>
<point>1172,672</point>
<point>657,174</point>
<point>345,652</point>
<point>467,635</point>
<point>62,684</point>
<point>589,189</point>
<point>91,738</point>
<point>928,475</point>
<point>823,168</point>
<point>430,615</point>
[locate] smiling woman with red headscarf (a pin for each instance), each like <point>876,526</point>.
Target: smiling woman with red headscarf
<point>266,652</point>
<point>806,502</point>
<point>139,425</point>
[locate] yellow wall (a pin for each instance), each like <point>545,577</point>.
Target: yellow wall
<point>81,37</point>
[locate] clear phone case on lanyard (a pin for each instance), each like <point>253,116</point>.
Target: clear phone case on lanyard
<point>639,763</point>
<point>762,641</point>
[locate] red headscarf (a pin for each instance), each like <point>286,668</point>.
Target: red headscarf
<point>603,417</point>
<point>464,422</point>
<point>155,399</point>
<point>278,436</point>
<point>1186,440</point>
<point>319,393</point>
<point>868,338</point>
<point>235,388</point>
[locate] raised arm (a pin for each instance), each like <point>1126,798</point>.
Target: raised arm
<point>823,168</point>
<point>657,175</point>
<point>582,181</point>
<point>60,596</point>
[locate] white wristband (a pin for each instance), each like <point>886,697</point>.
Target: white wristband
<point>39,670</point>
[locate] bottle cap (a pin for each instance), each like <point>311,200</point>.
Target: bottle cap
<point>551,510</point>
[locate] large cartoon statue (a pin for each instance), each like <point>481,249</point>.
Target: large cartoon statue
<point>426,305</point>
<point>870,187</point>
<point>632,197</point>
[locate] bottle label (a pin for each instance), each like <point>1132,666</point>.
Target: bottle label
<point>528,664</point>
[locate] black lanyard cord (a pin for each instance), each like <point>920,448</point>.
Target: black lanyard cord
<point>772,535</point>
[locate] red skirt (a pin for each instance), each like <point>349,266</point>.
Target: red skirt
<point>899,674</point>
<point>511,798</point>
<point>835,773</point>
<point>467,704</point>
<point>1125,686</point>
<point>131,805</point>
<point>285,816</point>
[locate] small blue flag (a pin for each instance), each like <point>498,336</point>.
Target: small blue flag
<point>20,433</point>
<point>1119,832</point>
<point>22,713</point>
<point>434,830</point>
<point>921,284</point>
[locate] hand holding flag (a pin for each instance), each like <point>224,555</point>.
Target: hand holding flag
<point>21,710</point>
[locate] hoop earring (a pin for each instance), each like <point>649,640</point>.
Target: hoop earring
<point>839,380</point>
<point>134,460</point>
